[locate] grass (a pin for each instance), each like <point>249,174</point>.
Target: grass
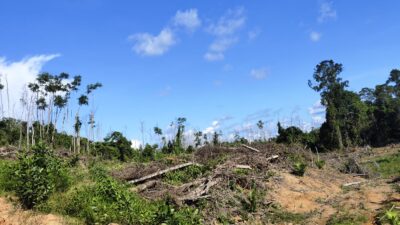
<point>185,175</point>
<point>347,219</point>
<point>279,216</point>
<point>386,166</point>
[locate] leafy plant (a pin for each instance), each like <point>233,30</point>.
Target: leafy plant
<point>320,163</point>
<point>299,168</point>
<point>38,174</point>
<point>393,217</point>
<point>185,175</point>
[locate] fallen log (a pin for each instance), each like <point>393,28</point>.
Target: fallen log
<point>243,167</point>
<point>250,148</point>
<point>159,173</point>
<point>352,184</point>
<point>201,191</point>
<point>272,157</point>
<point>143,187</point>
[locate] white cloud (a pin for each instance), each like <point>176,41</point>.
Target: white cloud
<point>315,36</point>
<point>221,45</point>
<point>259,74</point>
<point>135,144</point>
<point>225,33</point>
<point>229,23</point>
<point>213,128</point>
<point>19,74</point>
<point>214,56</point>
<point>253,34</point>
<point>188,19</point>
<point>326,12</point>
<point>149,45</point>
<point>317,113</point>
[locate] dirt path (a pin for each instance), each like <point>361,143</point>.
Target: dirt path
<point>9,215</point>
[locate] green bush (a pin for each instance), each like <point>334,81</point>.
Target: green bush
<point>37,174</point>
<point>320,164</point>
<point>393,217</point>
<point>148,152</point>
<point>6,176</point>
<point>184,175</point>
<point>299,168</point>
<point>108,201</point>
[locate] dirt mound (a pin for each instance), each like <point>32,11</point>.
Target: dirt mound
<point>321,194</point>
<point>9,215</point>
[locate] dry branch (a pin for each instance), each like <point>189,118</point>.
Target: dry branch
<point>144,186</point>
<point>243,167</point>
<point>250,148</point>
<point>272,157</point>
<point>201,191</point>
<point>352,183</point>
<point>159,173</point>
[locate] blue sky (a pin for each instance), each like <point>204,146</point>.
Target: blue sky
<point>221,65</point>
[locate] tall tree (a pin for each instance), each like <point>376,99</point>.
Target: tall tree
<point>345,112</point>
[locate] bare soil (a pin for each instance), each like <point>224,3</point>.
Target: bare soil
<point>11,215</point>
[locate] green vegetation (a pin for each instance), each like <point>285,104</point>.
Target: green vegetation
<point>320,163</point>
<point>393,217</point>
<point>36,175</point>
<point>299,168</point>
<point>386,166</point>
<point>347,219</point>
<point>185,175</point>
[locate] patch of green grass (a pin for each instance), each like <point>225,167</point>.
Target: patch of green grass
<point>278,216</point>
<point>386,166</point>
<point>241,171</point>
<point>184,175</point>
<point>299,168</point>
<point>320,164</point>
<point>5,173</point>
<point>347,219</point>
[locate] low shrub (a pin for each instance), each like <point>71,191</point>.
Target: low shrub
<point>320,164</point>
<point>299,168</point>
<point>108,201</point>
<point>393,217</point>
<point>37,174</point>
<point>184,175</point>
<point>6,176</point>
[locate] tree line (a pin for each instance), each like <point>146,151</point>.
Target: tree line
<point>369,117</point>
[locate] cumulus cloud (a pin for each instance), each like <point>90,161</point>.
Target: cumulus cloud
<point>225,33</point>
<point>188,19</point>
<point>149,45</point>
<point>136,144</point>
<point>315,36</point>
<point>253,34</point>
<point>18,74</point>
<point>216,124</point>
<point>326,12</point>
<point>317,113</point>
<point>259,74</point>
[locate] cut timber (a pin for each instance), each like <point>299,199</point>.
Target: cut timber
<point>159,173</point>
<point>352,184</point>
<point>243,167</point>
<point>272,157</point>
<point>144,186</point>
<point>201,191</point>
<point>250,148</point>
